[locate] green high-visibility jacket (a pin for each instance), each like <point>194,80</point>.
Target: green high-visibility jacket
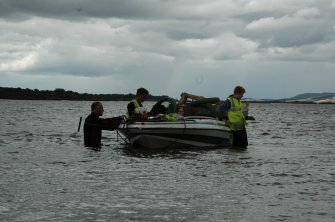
<point>235,115</point>
<point>136,106</point>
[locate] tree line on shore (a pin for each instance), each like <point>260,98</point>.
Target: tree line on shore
<point>62,94</point>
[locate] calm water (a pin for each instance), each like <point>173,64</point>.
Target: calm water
<point>286,174</point>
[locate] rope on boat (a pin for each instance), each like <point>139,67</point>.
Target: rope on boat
<point>122,138</point>
<point>118,134</point>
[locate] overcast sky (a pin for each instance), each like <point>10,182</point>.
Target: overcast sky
<point>274,48</point>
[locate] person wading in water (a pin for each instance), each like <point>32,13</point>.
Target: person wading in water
<point>94,125</point>
<point>231,113</point>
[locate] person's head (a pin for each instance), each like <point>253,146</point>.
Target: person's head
<point>97,108</point>
<point>141,94</point>
<point>239,92</point>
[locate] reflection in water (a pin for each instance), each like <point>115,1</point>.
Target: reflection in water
<point>161,153</point>
<point>181,152</point>
<point>96,149</point>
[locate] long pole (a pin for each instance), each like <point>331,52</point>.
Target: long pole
<point>79,124</point>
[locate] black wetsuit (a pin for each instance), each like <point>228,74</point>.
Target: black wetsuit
<point>93,127</point>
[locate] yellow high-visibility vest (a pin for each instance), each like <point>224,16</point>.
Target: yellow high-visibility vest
<point>235,115</point>
<point>136,106</point>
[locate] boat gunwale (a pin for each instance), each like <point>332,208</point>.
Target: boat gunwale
<point>187,120</point>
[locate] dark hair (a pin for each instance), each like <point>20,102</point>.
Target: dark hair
<point>239,89</point>
<point>141,91</point>
<point>94,105</point>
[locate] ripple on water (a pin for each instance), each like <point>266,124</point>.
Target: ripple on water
<point>286,174</point>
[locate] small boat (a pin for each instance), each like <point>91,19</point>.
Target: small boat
<point>193,131</point>
<point>185,131</point>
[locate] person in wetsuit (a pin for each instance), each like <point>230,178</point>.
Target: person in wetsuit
<point>94,125</point>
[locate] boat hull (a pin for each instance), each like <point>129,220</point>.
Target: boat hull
<point>189,132</point>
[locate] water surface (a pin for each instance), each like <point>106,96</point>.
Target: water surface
<point>286,174</point>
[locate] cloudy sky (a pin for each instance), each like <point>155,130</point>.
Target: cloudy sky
<point>275,48</point>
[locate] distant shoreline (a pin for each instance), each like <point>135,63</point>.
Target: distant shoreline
<point>291,102</point>
<point>61,94</point>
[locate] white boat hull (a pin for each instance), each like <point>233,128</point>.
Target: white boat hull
<point>193,132</point>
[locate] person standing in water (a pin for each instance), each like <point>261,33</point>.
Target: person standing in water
<point>94,125</point>
<point>231,113</point>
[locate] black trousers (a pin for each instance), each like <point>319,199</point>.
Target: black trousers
<point>240,138</point>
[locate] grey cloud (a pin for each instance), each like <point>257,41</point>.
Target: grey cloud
<point>288,31</point>
<point>99,40</point>
<point>76,9</point>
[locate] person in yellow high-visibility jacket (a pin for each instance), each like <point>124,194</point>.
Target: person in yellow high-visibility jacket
<point>134,110</point>
<point>231,113</point>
